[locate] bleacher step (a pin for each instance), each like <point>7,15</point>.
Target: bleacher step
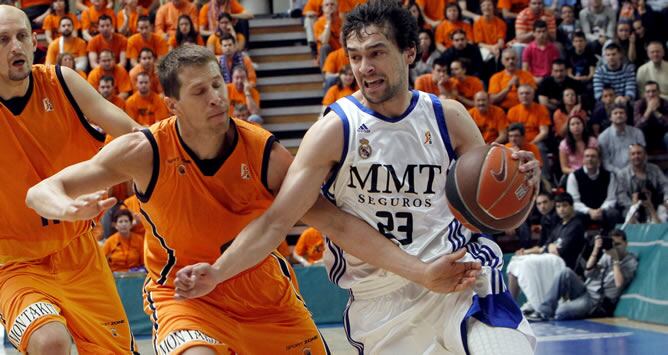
<point>294,110</point>
<point>273,22</point>
<point>282,36</point>
<point>293,64</point>
<point>291,95</point>
<point>287,127</point>
<point>290,79</point>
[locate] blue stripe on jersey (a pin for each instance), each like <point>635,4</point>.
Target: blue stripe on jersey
<point>414,100</point>
<point>346,325</point>
<point>338,269</point>
<point>343,264</point>
<point>440,118</point>
<point>335,265</point>
<point>335,170</point>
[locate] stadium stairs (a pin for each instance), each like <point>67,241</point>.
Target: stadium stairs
<point>289,79</point>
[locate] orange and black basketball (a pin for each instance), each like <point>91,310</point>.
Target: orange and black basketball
<point>486,190</point>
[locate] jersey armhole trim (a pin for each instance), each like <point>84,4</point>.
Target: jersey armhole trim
<point>93,132</point>
<point>442,127</point>
<point>344,152</point>
<point>144,197</point>
<point>264,175</point>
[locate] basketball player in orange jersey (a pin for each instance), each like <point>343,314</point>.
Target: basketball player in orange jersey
<point>55,284</point>
<point>201,177</point>
<point>385,159</point>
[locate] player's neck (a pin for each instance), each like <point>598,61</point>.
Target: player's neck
<point>206,143</point>
<point>393,107</point>
<point>11,88</point>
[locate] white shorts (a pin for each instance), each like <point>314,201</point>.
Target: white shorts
<point>406,318</point>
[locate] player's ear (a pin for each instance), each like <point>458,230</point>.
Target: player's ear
<point>410,54</point>
<point>171,104</point>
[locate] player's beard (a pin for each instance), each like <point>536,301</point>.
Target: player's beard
<point>19,75</point>
<point>391,90</point>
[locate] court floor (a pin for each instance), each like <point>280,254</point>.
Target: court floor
<point>607,336</point>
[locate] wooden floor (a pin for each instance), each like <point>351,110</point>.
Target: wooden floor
<point>617,336</point>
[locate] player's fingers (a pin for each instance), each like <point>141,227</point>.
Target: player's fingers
<point>529,166</point>
<point>106,203</point>
<point>523,155</point>
<point>453,257</point>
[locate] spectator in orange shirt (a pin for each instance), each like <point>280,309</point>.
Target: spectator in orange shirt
<point>437,82</point>
<point>185,34</point>
<point>145,39</point>
<point>452,22</point>
<point>132,204</point>
<point>310,247</point>
<point>108,40</point>
<point>145,106</point>
<point>536,120</point>
<point>108,67</point>
<point>146,65</point>
<point>489,32</point>
<point>232,57</point>
<point>106,88</point>
<point>490,119</point>
<point>126,21</point>
<point>517,141</point>
<point>503,85</point>
<point>59,9</point>
<point>433,11</point>
<point>511,8</point>
<point>36,10</point>
<point>534,116</point>
<point>335,61</point>
<point>124,250</point>
<point>345,6</point>
<point>466,86</point>
<point>209,15</point>
<point>327,30</point>
<point>224,26</point>
<point>67,60</point>
<point>241,90</point>
<point>90,17</point>
<point>70,44</point>
<point>345,85</point>
<point>311,11</point>
<point>525,20</point>
<point>167,17</point>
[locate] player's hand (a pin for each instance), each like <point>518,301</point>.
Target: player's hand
<point>529,165</point>
<point>88,206</point>
<point>195,281</point>
<point>446,274</point>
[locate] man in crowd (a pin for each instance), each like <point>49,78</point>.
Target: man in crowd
<point>621,76</point>
<point>615,140</point>
<point>70,44</point>
<point>461,48</point>
<point>327,30</point>
<point>650,114</point>
<point>240,90</point>
<point>642,182</point>
<point>146,65</point>
<point>107,40</point>
<point>108,67</point>
<point>145,106</point>
<point>538,56</point>
<point>536,120</point>
<point>517,140</point>
<point>490,119</point>
<point>438,81</point>
<point>594,191</point>
<point>551,89</point>
<point>655,70</point>
<point>107,87</point>
<point>166,19</point>
<point>466,86</point>
<point>145,38</point>
<point>598,22</point>
<point>503,85</point>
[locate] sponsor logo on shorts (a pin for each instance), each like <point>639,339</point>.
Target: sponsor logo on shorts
<point>178,338</point>
<point>27,316</point>
<point>302,343</point>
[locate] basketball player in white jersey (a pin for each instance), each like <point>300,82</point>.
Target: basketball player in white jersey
<point>383,154</point>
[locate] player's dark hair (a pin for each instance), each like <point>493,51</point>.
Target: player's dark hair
<point>395,22</point>
<point>120,213</point>
<point>187,55</point>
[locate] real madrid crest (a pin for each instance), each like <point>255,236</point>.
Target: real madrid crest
<point>364,149</point>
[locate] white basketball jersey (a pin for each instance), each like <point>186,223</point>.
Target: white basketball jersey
<point>392,174</point>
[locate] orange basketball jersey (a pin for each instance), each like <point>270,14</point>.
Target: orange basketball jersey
<point>193,209</point>
<point>40,134</point>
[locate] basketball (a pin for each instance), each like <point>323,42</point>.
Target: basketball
<point>486,190</point>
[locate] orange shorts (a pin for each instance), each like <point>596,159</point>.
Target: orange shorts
<point>74,287</point>
<point>257,312</point>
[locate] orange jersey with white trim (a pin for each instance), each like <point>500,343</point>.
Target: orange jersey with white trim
<point>40,134</point>
<point>193,209</point>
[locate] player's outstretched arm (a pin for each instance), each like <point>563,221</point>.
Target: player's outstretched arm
<point>96,108</point>
<point>77,192</point>
<point>299,192</point>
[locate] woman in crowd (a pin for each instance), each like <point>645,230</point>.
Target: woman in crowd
<point>224,26</point>
<point>570,107</point>
<point>66,59</point>
<point>124,250</point>
<point>453,21</point>
<point>185,34</point>
<point>571,148</point>
<point>345,85</point>
<point>427,54</point>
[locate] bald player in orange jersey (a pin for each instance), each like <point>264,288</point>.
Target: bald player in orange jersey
<point>55,284</point>
<point>201,177</point>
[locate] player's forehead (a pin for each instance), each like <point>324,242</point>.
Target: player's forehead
<point>198,75</point>
<point>12,22</point>
<point>369,37</point>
